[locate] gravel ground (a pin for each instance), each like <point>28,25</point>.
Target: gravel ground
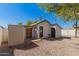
<point>63,47</point>
<point>43,47</point>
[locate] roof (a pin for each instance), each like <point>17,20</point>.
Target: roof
<point>57,25</point>
<point>38,22</point>
<point>21,25</point>
<point>1,27</point>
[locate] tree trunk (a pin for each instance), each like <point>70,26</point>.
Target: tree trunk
<point>76,29</point>
<point>75,32</point>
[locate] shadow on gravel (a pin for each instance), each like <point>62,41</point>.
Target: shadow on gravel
<point>66,37</point>
<point>9,51</point>
<point>26,45</point>
<point>59,39</point>
<point>6,51</point>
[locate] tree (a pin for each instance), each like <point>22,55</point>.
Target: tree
<point>29,22</point>
<point>68,11</point>
<point>19,23</point>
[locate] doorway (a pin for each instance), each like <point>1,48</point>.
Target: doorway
<point>41,31</point>
<point>53,32</point>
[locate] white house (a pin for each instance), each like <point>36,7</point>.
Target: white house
<point>44,29</point>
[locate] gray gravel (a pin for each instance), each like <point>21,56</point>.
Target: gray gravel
<point>64,47</point>
<point>43,47</point>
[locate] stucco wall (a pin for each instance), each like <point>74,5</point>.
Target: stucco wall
<point>57,31</point>
<point>34,32</point>
<point>46,29</point>
<point>16,35</point>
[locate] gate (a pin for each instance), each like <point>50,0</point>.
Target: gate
<point>28,32</point>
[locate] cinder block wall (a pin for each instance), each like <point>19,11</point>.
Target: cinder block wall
<point>16,35</point>
<point>68,32</point>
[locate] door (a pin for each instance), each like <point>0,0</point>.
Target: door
<point>41,31</point>
<point>53,32</point>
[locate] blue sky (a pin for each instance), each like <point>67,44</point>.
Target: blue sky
<point>15,13</point>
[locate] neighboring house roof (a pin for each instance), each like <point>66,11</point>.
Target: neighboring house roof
<point>1,27</point>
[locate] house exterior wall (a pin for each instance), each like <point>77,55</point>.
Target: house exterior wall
<point>57,31</point>
<point>46,29</point>
<point>16,34</point>
<point>34,32</point>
